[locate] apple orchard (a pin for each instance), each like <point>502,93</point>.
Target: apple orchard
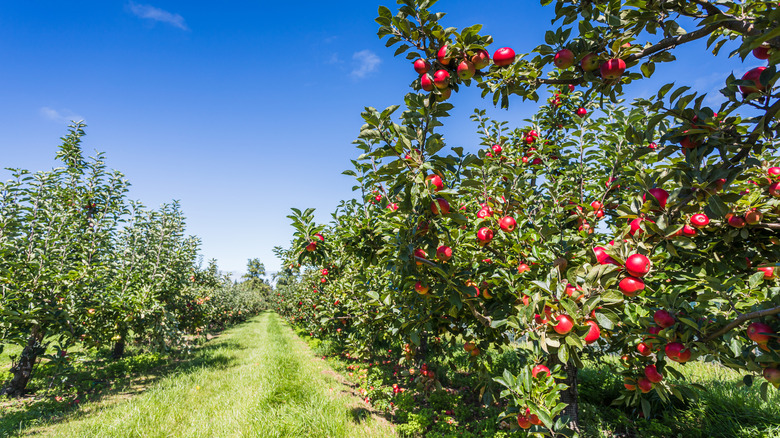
<point>646,230</point>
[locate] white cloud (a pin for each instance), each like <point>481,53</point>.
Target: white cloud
<point>334,59</point>
<point>157,14</point>
<point>365,62</point>
<point>62,116</point>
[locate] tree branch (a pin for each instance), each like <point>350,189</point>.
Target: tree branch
<point>484,320</point>
<point>740,319</point>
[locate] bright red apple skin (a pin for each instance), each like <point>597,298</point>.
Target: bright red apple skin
<point>644,384</point>
<point>311,246</point>
<point>435,181</point>
<point>761,52</point>
<point>444,253</point>
<point>565,324</point>
<point>523,421</point>
<point>466,70</point>
<point>774,189</point>
<point>773,172</point>
<point>441,79</point>
<point>752,75</point>
<point>660,194</point>
<point>736,221</point>
<point>564,59</point>
<point>652,374</point>
<point>631,286</point>
<point>581,112</point>
<point>759,332</point>
<point>480,59</point>
<point>602,257</point>
<point>522,267</point>
<point>676,351</point>
<point>496,149</point>
<point>590,62</point>
<point>426,82</point>
<point>440,206</point>
<point>421,254</point>
<point>769,272</point>
<point>507,224</point>
<point>422,66</point>
<point>612,69</point>
<point>772,375</point>
<point>700,220</point>
<point>635,226</point>
<point>441,56</point>
<point>485,235</point>
<point>540,369</point>
<point>637,265</point>
<point>593,333</point>
<point>663,318</point>
<point>420,288</point>
<point>644,349</point>
<point>503,57</point>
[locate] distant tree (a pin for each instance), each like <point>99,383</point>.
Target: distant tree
<point>254,269</point>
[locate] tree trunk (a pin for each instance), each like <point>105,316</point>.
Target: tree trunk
<point>119,349</point>
<point>23,368</point>
<point>569,395</point>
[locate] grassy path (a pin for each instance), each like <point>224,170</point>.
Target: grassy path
<point>260,381</point>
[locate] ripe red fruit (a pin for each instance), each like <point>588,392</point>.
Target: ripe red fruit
<point>523,420</point>
<point>644,349</point>
<point>419,253</point>
<point>441,56</point>
<point>522,267</point>
<point>421,288</point>
<point>485,235</point>
<point>635,226</point>
<point>593,333</point>
<point>466,70</point>
<point>540,369</point>
<point>637,265</point>
<point>504,56</point>
<point>644,384</point>
<point>311,246</point>
<point>688,231</point>
<point>480,59</point>
<point>663,318</point>
<point>677,352</point>
<point>496,149</point>
<point>761,52</point>
<point>631,286</point>
<point>421,66</point>
<point>759,332</point>
<point>444,253</point>
<point>769,272</point>
<point>752,75</point>
<point>581,112</point>
<point>652,374</point>
<point>772,375</point>
<point>468,346</point>
<point>700,220</point>
<point>612,69</point>
<point>660,194</point>
<point>435,181</point>
<point>441,79</point>
<point>565,324</point>
<point>564,59</point>
<point>774,189</point>
<point>484,212</point>
<point>736,221</point>
<point>440,206</point>
<point>602,257</point>
<point>507,223</point>
<point>426,82</point>
<point>590,62</point>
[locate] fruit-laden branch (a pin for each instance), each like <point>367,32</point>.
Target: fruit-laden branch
<point>742,318</point>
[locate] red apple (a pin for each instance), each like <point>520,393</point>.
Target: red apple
<point>504,56</point>
<point>677,352</point>
<point>421,254</point>
<point>441,79</point>
<point>644,384</point>
<point>593,333</point>
<point>612,69</point>
<point>565,324</point>
<point>484,212</point>
<point>421,288</point>
<point>444,253</point>
<point>759,332</point>
<point>774,189</point>
<point>772,375</point>
<point>435,181</point>
<point>523,420</point>
<point>564,59</point>
<point>769,272</point>
<point>507,223</point>
<point>635,226</point>
<point>581,112</point>
<point>440,206</point>
<point>480,59</point>
<point>421,66</point>
<point>735,221</point>
<point>761,52</point>
<point>441,56</point>
<point>700,220</point>
<point>631,286</point>
<point>664,318</point>
<point>752,75</point>
<point>590,62</point>
<point>652,374</point>
<point>637,265</point>
<point>426,82</point>
<point>466,70</point>
<point>468,346</point>
<point>644,349</point>
<point>522,267</point>
<point>773,172</point>
<point>311,246</point>
<point>602,257</point>
<point>485,235</point>
<point>540,369</point>
<point>688,231</point>
<point>660,194</point>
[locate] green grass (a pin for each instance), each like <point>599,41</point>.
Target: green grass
<point>257,379</point>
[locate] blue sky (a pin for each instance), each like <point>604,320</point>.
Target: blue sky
<point>240,110</point>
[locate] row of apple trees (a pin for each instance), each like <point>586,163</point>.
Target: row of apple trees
<point>649,231</point>
<point>81,264</point>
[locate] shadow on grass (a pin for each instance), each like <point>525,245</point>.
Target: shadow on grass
<point>104,382</point>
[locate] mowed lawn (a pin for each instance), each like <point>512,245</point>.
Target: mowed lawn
<point>260,381</point>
